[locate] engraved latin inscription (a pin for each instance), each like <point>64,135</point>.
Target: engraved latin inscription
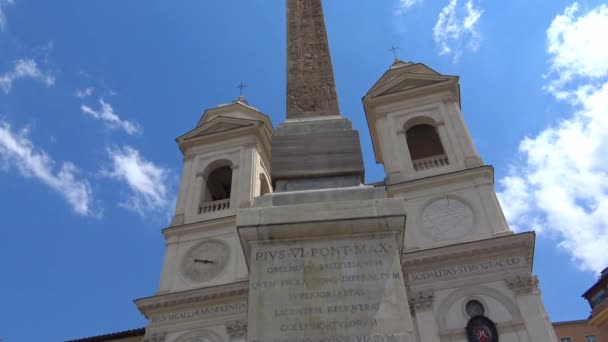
<point>311,89</point>
<point>323,290</point>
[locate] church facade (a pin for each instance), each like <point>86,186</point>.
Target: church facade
<point>276,238</point>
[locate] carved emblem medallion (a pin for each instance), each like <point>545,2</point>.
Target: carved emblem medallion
<point>481,329</point>
<point>447,219</point>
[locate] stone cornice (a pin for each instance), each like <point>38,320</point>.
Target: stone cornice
<point>220,147</point>
<point>214,293</point>
<point>260,131</point>
<point>221,222</point>
<point>228,109</point>
<point>471,251</point>
<point>484,172</point>
<point>447,84</point>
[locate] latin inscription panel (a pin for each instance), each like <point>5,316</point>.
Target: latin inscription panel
<point>331,290</point>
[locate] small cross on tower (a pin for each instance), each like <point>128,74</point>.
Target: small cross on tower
<point>241,86</point>
<point>241,97</point>
<point>394,50</point>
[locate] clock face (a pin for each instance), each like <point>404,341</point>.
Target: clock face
<point>205,260</point>
<point>447,219</point>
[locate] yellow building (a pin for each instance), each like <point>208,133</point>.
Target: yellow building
<point>597,296</point>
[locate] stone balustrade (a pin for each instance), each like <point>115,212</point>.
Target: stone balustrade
<point>431,162</point>
<point>214,206</point>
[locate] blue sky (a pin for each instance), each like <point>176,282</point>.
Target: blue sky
<point>93,94</point>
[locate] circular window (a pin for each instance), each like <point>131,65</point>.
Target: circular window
<point>475,308</point>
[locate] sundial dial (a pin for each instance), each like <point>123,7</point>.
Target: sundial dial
<point>447,219</point>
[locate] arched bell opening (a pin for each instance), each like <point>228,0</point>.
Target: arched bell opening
<point>217,190</point>
<point>425,147</point>
<point>264,185</point>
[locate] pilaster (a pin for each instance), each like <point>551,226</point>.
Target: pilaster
<point>422,303</point>
<point>535,317</point>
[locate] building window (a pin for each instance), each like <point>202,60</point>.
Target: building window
<point>475,308</point>
<point>425,147</point>
<point>590,338</point>
<point>598,298</point>
<point>565,339</point>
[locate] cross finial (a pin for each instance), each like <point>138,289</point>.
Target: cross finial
<point>241,86</point>
<point>394,50</point>
<point>241,97</point>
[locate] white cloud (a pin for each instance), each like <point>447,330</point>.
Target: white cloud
<point>2,15</point>
<point>112,120</point>
<point>578,50</point>
<point>24,68</point>
<point>456,29</point>
<point>17,150</point>
<point>405,5</point>
<point>560,186</point>
<point>147,182</point>
<point>84,93</point>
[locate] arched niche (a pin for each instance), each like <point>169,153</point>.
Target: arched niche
<point>482,293</point>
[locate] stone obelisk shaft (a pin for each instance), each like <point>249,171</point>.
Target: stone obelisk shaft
<point>311,89</point>
<point>322,151</point>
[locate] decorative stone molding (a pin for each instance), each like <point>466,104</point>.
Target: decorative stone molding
<point>477,291</point>
<point>422,301</point>
<point>446,217</point>
<point>216,293</point>
<point>202,174</point>
<point>156,337</point>
<point>177,220</point>
<point>200,335</point>
<point>237,330</point>
<point>511,246</point>
<point>527,284</point>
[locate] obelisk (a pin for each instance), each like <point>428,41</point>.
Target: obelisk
<point>315,148</point>
<point>311,89</point>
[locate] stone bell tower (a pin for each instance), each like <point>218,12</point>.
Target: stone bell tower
<point>203,283</point>
<point>468,276</point>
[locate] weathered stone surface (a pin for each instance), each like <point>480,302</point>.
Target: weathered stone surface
<point>349,288</point>
<point>317,183</point>
<point>327,124</point>
<point>359,193</point>
<point>316,155</point>
<point>311,89</point>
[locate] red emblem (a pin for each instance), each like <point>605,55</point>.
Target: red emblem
<point>482,334</point>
